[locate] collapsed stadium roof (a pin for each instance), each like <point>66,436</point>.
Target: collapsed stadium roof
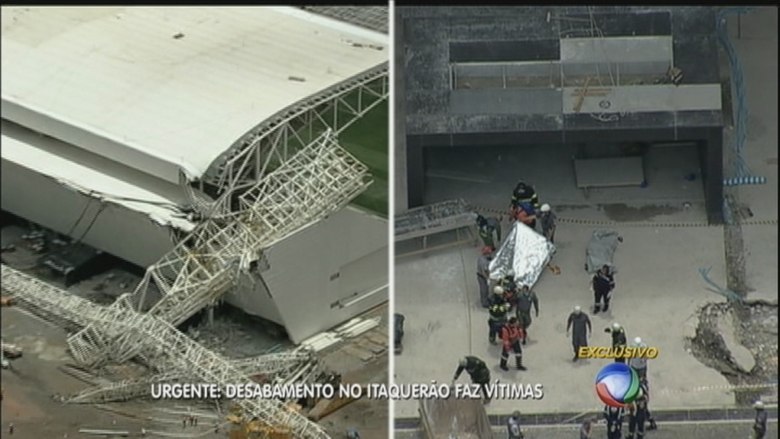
<point>170,89</point>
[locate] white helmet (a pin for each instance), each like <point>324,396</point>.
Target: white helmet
<point>498,289</point>
<point>758,405</point>
<point>638,341</point>
<point>463,362</point>
<point>511,273</point>
<point>545,207</point>
<point>616,326</point>
<point>577,309</point>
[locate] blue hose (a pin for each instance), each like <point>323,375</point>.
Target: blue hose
<point>743,174</point>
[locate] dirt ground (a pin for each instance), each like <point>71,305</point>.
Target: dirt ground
<point>32,380</point>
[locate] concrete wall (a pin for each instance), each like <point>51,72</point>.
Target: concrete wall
<point>122,232</point>
<point>399,129</point>
<point>341,258</point>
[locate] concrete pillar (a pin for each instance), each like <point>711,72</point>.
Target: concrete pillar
<point>398,98</point>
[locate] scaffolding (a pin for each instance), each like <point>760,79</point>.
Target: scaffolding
<point>160,343</point>
<point>316,181</point>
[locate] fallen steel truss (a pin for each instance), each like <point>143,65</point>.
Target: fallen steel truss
<point>281,369</point>
<point>162,343</point>
<point>316,181</point>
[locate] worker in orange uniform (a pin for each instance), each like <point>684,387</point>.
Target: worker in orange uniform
<point>512,335</point>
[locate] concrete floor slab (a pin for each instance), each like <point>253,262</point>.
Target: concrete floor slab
<point>550,168</point>
<point>656,297</point>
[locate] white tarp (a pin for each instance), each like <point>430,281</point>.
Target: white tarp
<point>601,250</point>
<point>524,251</point>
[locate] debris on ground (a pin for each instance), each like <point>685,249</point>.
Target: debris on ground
<point>729,335</point>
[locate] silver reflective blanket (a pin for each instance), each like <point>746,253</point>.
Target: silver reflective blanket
<point>524,251</point>
<point>601,250</point>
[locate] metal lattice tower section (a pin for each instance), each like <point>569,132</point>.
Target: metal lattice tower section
<point>282,369</point>
<point>162,342</point>
<point>48,302</point>
<point>316,181</point>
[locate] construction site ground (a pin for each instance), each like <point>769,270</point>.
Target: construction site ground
<point>668,431</point>
<point>32,381</point>
<point>660,295</point>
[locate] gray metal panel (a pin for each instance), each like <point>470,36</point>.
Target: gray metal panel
<point>620,171</point>
<point>323,264</point>
<point>506,101</point>
<point>647,98</point>
<point>616,49</point>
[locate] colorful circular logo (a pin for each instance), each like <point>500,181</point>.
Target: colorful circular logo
<point>617,385</point>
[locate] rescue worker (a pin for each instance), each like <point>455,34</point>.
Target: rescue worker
<point>524,301</point>
<point>477,370</point>
<point>508,281</point>
<point>639,364</point>
<point>759,426</point>
<point>524,193</point>
<point>603,284</point>
<point>638,417</point>
<point>510,287</point>
<point>526,214</point>
<point>398,332</point>
<point>614,417</point>
<point>618,339</point>
<point>579,322</point>
<point>513,426</point>
<point>483,275</point>
<point>585,429</point>
<point>496,313</point>
<point>489,230</point>
<point>511,335</point>
<point>548,220</point>
<point>644,385</point>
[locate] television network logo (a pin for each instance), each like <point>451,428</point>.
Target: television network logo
<point>617,384</point>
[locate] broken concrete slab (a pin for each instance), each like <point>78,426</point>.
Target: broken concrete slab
<point>741,356</point>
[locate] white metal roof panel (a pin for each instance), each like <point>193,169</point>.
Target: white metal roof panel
<point>169,89</point>
<point>96,176</point>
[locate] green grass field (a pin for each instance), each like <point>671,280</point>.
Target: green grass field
<point>367,140</point>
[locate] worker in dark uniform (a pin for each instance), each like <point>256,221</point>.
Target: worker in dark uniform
<point>398,333</point>
<point>579,323</point>
<point>644,385</point>
<point>489,230</point>
<point>510,288</point>
<point>585,429</point>
<point>638,417</point>
<point>524,193</point>
<point>548,219</point>
<point>477,370</point>
<point>618,339</point>
<point>603,284</point>
<point>508,281</point>
<point>512,335</point>
<point>513,426</point>
<point>483,275</point>
<point>496,313</point>
<point>614,417</point>
<point>525,300</point>
<point>759,426</point>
